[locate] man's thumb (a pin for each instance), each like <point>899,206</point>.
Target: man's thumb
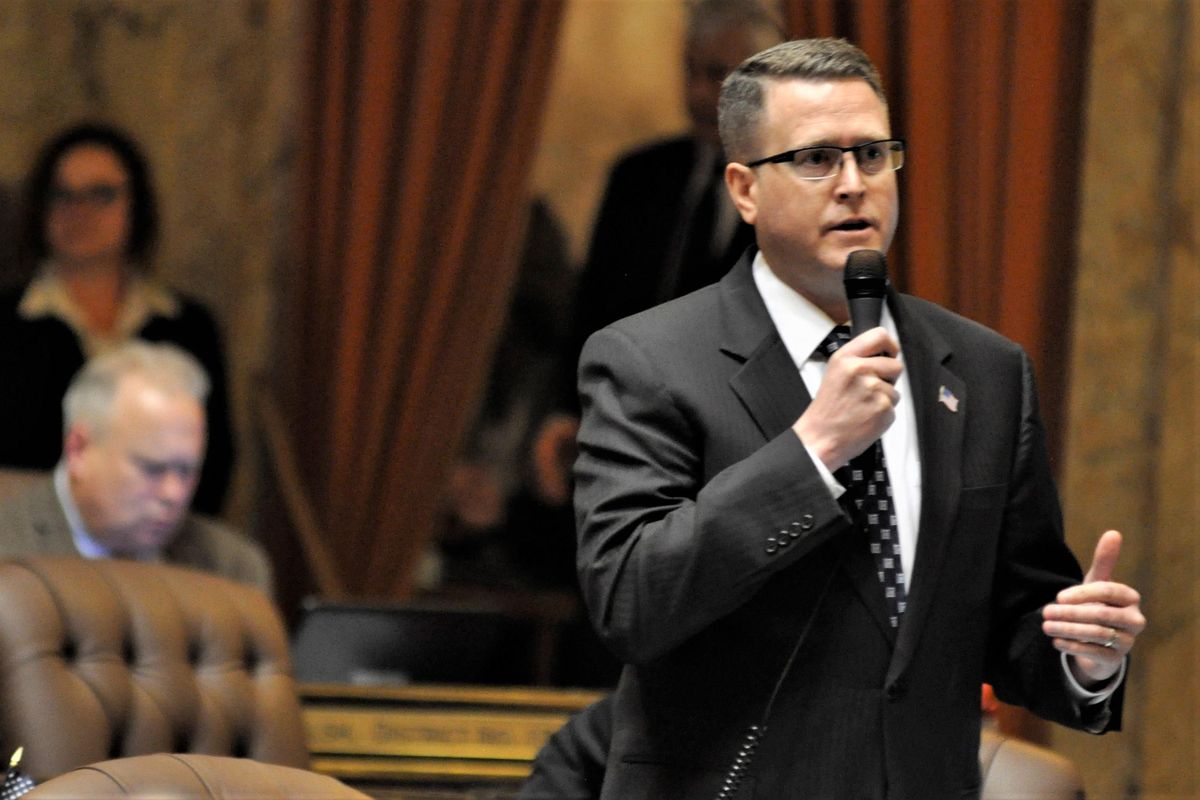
<point>1104,562</point>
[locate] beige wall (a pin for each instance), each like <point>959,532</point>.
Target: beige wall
<point>208,87</point>
<point>1132,451</point>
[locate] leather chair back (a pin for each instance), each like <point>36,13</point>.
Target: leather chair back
<point>166,776</point>
<point>1016,770</point>
<point>105,659</point>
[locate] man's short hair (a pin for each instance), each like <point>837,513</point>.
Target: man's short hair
<point>741,106</point>
<point>90,396</point>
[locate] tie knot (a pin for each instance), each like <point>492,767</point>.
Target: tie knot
<point>834,340</point>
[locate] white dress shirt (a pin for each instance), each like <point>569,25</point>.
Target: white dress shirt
<point>802,327</point>
<point>84,543</point>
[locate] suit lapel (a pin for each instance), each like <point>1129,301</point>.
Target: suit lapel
<point>771,389</point>
<point>941,405</point>
<point>768,383</point>
<point>49,522</point>
<point>864,575</point>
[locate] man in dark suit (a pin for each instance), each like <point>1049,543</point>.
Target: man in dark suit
<point>771,625</point>
<point>132,452</point>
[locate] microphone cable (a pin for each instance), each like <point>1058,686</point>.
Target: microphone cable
<point>740,767</point>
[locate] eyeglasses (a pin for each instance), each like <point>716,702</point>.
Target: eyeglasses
<point>98,195</point>
<point>818,163</point>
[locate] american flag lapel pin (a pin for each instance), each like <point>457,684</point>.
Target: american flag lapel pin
<point>947,398</point>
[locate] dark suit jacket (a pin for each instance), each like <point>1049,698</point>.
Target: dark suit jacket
<point>33,523</point>
<point>708,539</point>
<point>38,358</point>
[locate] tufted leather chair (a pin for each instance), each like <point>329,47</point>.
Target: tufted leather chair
<point>165,776</point>
<point>106,659</point>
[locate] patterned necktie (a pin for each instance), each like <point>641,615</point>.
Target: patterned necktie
<point>867,486</point>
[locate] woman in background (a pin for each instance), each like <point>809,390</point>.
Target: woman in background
<point>91,223</point>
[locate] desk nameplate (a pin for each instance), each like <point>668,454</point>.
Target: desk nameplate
<point>415,735</point>
<point>426,733</point>
<point>421,770</point>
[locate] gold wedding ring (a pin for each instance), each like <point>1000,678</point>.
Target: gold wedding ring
<point>1111,642</point>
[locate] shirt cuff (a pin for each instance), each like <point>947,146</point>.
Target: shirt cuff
<point>1093,696</point>
<point>835,488</point>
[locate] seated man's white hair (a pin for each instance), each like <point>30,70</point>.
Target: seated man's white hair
<point>89,398</point>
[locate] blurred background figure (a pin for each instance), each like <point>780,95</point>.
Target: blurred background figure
<point>509,533</point>
<point>502,531</point>
<point>666,225</point>
<point>132,450</point>
<point>90,227</point>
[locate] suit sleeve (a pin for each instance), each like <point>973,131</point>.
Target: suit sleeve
<point>597,298</point>
<point>1033,566</point>
<point>570,766</point>
<point>665,551</point>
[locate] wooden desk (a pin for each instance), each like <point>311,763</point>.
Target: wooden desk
<point>425,741</point>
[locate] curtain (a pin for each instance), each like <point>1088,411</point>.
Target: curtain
<point>989,95</point>
<point>421,123</point>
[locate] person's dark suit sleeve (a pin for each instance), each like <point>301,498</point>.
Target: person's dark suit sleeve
<point>662,554</point>
<point>570,766</point>
<point>1033,565</point>
<point>595,303</point>
<point>627,252</point>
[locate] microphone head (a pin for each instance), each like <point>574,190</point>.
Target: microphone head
<point>865,274</point>
<point>865,279</point>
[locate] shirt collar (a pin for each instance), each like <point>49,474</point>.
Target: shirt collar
<point>87,545</point>
<point>84,543</point>
<point>47,296</point>
<point>801,325</point>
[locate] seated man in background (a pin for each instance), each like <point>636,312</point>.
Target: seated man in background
<point>134,436</point>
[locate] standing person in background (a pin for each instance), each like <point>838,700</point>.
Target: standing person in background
<point>496,531</point>
<point>808,549</point>
<point>666,225</point>
<point>91,224</point>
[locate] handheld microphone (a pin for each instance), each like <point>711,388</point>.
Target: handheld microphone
<point>866,281</point>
